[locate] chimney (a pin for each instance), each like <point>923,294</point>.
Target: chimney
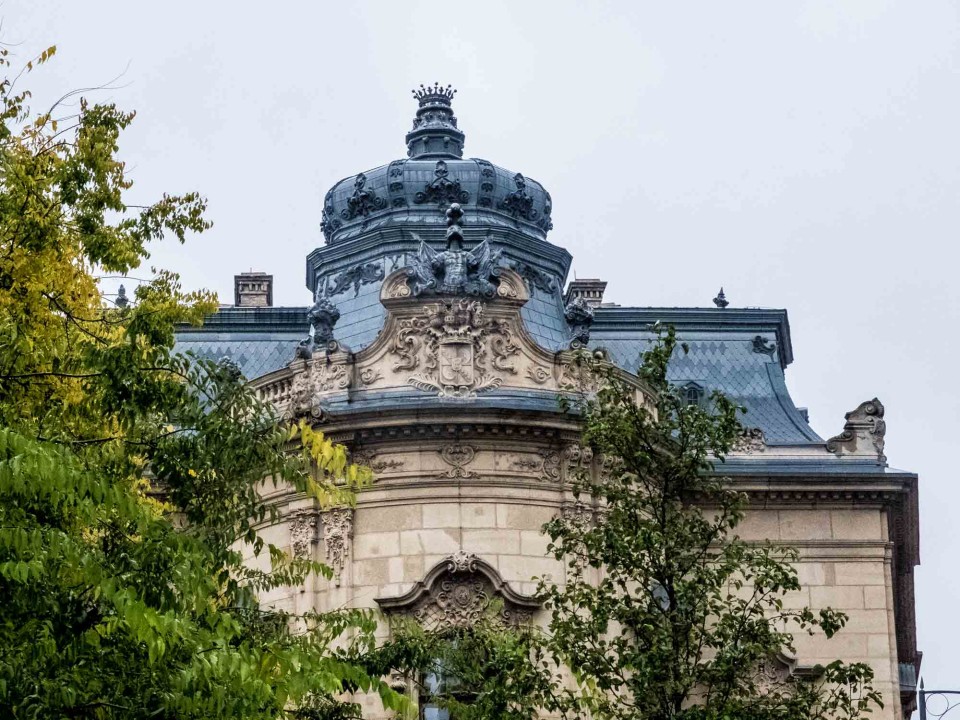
<point>590,289</point>
<point>253,289</point>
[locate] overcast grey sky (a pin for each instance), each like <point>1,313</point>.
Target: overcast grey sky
<point>801,154</point>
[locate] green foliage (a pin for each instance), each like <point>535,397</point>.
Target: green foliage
<point>666,612</point>
<point>119,597</point>
<point>476,673</point>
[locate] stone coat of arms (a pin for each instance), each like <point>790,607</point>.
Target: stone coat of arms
<point>455,362</point>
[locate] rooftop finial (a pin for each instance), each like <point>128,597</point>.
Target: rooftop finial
<point>720,300</point>
<point>437,93</point>
<point>435,133</point>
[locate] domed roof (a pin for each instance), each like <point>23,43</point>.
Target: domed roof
<point>417,191</point>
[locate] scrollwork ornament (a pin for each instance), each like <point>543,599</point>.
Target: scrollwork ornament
<point>303,533</point>
<point>458,456</point>
<point>337,533</point>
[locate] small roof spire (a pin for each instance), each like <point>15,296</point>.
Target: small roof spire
<point>720,300</point>
<point>435,133</point>
<point>122,300</point>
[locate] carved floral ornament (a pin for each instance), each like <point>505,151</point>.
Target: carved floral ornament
<point>459,591</point>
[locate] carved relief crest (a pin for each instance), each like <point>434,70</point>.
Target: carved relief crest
<point>454,337</point>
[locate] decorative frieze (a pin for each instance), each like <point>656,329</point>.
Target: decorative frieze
<point>357,276</point>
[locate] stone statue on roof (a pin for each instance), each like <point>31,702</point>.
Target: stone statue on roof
<point>455,271</point>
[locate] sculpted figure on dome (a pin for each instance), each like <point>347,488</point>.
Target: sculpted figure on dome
<point>455,271</point>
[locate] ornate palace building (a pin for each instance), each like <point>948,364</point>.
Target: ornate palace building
<point>439,340</point>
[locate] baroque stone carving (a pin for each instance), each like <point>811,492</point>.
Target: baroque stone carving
<point>442,190</point>
<point>454,335</point>
<point>538,374</point>
<point>578,514</point>
<point>545,222</point>
<point>375,463</point>
<point>458,456</point>
<point>337,532</point>
<point>322,318</point>
<point>454,271</point>
<point>357,276</point>
<point>315,378</point>
<point>750,441</point>
<point>760,345</point>
<point>580,317</point>
<point>863,425</point>
<point>519,203</point>
<point>328,218</point>
<point>546,465</point>
<point>458,592</point>
<point>362,202</point>
<point>462,562</point>
<point>303,533</point>
<point>368,376</point>
<point>534,277</point>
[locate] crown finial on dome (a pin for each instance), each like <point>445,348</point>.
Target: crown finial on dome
<point>435,133</point>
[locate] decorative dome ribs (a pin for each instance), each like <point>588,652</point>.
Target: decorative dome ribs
<point>414,192</point>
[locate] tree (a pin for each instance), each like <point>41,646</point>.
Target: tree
<point>129,474</point>
<point>666,612</point>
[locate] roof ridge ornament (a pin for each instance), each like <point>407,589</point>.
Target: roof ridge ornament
<point>720,300</point>
<point>435,133</point>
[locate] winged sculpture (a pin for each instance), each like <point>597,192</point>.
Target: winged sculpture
<point>454,271</point>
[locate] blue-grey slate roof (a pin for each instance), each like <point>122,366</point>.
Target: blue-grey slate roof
<point>721,357</point>
<point>721,346</point>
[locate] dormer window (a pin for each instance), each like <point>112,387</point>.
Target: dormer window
<point>693,394</point>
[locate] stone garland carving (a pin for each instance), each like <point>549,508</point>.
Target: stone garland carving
<point>454,271</point>
<point>357,276</point>
<point>458,456</point>
<point>538,374</point>
<point>750,441</point>
<point>580,317</point>
<point>337,532</point>
<point>864,423</point>
<point>303,533</point>
<point>454,336</point>
<point>760,345</point>
<point>519,203</point>
<point>362,202</point>
<point>534,277</point>
<point>442,190</point>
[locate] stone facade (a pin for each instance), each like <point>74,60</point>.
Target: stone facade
<point>437,345</point>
